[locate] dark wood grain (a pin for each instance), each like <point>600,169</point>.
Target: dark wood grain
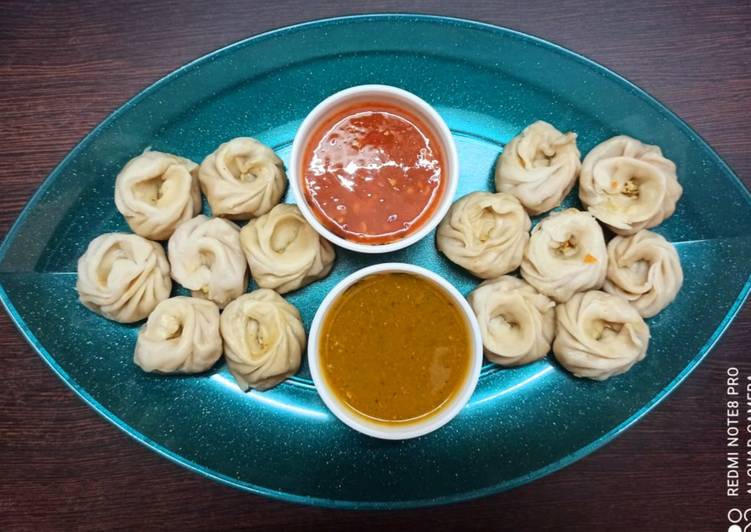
<point>65,65</point>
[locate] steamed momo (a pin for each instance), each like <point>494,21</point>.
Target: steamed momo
<point>566,254</point>
<point>242,179</point>
<point>263,339</point>
<point>284,252</point>
<point>207,258</point>
<point>155,192</point>
<point>629,185</point>
<point>485,233</point>
<point>123,277</point>
<point>644,269</point>
<point>599,335</point>
<point>539,166</point>
<point>180,336</point>
<point>516,321</point>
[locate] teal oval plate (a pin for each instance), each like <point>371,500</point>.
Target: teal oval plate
<point>487,83</point>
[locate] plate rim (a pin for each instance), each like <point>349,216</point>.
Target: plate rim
<point>207,472</point>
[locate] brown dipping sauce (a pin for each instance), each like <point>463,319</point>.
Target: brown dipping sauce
<point>395,348</point>
<point>373,173</point>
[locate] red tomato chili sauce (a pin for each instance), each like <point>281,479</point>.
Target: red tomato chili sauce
<point>373,173</point>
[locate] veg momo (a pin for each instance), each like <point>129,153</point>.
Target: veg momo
<point>539,166</point>
<point>242,179</point>
<point>644,269</point>
<point>566,254</point>
<point>123,277</point>
<point>263,339</point>
<point>599,335</point>
<point>180,336</point>
<point>516,321</point>
<point>629,185</point>
<point>485,233</point>
<point>206,258</point>
<point>284,252</point>
<point>155,192</point>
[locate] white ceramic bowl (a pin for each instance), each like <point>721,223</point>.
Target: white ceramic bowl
<point>380,93</point>
<point>406,430</point>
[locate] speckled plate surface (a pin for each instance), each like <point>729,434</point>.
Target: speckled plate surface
<point>488,83</point>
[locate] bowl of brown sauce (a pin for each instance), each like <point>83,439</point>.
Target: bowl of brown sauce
<point>373,168</point>
<point>395,351</point>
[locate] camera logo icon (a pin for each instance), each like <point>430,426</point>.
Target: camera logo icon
<point>740,520</point>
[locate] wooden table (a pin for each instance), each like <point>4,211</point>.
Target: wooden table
<point>65,65</point>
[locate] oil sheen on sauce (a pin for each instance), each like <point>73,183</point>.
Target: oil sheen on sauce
<point>373,173</point>
<point>394,348</point>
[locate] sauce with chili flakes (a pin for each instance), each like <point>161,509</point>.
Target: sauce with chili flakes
<point>394,348</point>
<point>373,173</point>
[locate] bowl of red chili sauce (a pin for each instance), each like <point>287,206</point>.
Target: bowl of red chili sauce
<point>373,168</point>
